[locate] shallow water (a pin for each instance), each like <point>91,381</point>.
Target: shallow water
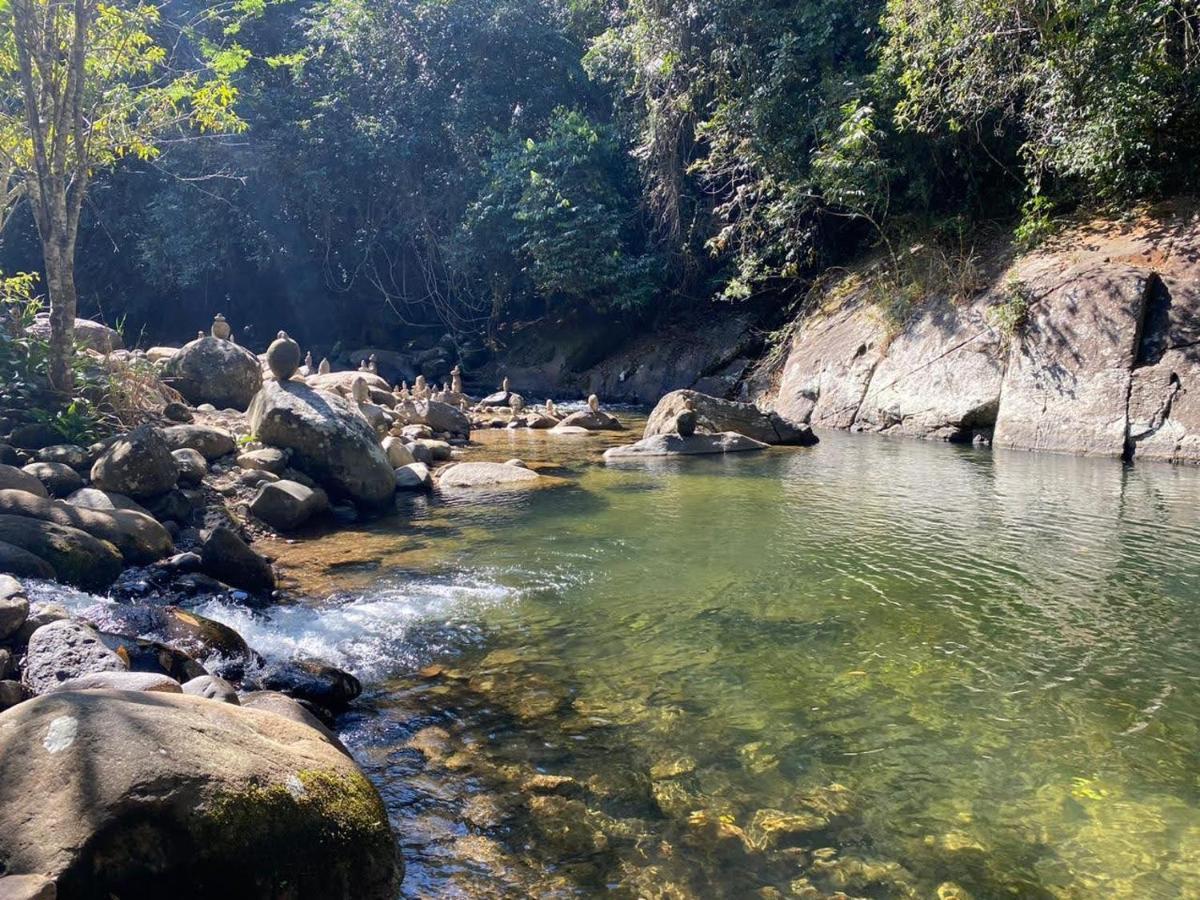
<point>887,668</point>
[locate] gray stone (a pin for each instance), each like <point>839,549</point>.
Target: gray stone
<point>210,441</point>
<point>76,557</point>
<point>62,650</point>
<point>12,478</point>
<point>285,505</point>
<point>716,415</point>
<point>59,479</point>
<point>597,420</point>
<point>186,797</point>
<point>226,557</point>
<point>328,438</point>
<point>413,477</point>
<point>139,682</point>
<point>676,445</point>
<point>209,370</point>
<point>397,452</point>
<point>68,454</point>
<point>19,561</point>
<point>192,466</point>
<point>485,475</point>
<point>268,459</point>
<point>14,606</point>
<point>139,464</point>
<point>107,501</point>
<point>139,538</point>
<point>211,687</point>
<point>40,614</point>
<point>92,335</point>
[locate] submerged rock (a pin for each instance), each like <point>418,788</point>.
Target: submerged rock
<point>186,798</point>
<point>675,445</point>
<point>329,440</point>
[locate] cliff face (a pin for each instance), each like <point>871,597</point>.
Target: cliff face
<point>1106,361</point>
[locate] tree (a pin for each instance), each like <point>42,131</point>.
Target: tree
<point>84,84</point>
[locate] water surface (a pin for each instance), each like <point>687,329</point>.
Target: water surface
<point>885,668</point>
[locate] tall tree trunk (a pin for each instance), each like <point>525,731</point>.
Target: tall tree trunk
<point>59,254</point>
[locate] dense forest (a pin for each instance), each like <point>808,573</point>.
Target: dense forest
<point>449,166</point>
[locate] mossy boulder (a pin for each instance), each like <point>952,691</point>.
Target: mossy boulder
<point>112,793</point>
<point>75,556</point>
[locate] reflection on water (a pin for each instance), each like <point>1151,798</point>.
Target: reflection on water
<point>885,668</point>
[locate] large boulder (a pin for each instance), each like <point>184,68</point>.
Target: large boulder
<point>139,465</point>
<point>286,505</point>
<point>117,794</point>
<point>12,478</point>
<point>209,441</point>
<point>228,558</point>
<point>673,445</point>
<point>329,440</point>
<point>726,415</point>
<point>92,335</point>
<point>440,417</point>
<point>486,475</point>
<point>63,650</point>
<point>138,537</point>
<point>210,370</point>
<point>76,557</point>
<point>592,421</point>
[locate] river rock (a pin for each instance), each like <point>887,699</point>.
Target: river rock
<point>727,415</point>
<point>76,557</point>
<point>209,440</point>
<point>306,679</point>
<point>12,478</point>
<point>343,382</point>
<point>674,445</point>
<point>185,797</point>
<point>71,455</point>
<point>94,498</point>
<point>177,412</point>
<point>397,452</point>
<point>293,710</point>
<point>138,464</point>
<point>440,417</point>
<point>1067,385</point>
<point>226,557</point>
<point>209,370</point>
<point>34,436</point>
<point>268,459</point>
<point>139,538</point>
<point>211,687</point>
<point>14,606</point>
<point>328,440</point>
<point>18,561</point>
<point>485,475</point>
<point>62,650</point>
<point>138,682</point>
<point>592,421</point>
<point>191,464</point>
<point>198,637</point>
<point>285,505</point>
<point>413,477</point>
<point>59,479</point>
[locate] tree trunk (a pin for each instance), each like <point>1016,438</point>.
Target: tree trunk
<point>59,255</point>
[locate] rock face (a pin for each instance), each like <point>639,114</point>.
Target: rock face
<point>285,505</point>
<point>139,538</point>
<point>675,445</point>
<point>226,557</point>
<point>65,650</point>
<point>139,465</point>
<point>75,556</point>
<point>140,795</point>
<point>726,415</point>
<point>209,370</point>
<point>485,475</point>
<point>328,440</point>
<point>1068,379</point>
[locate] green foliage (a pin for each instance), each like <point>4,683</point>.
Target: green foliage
<point>1011,312</point>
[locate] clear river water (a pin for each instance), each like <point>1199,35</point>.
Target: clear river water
<point>872,668</point>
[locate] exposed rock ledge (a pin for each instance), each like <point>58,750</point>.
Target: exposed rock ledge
<point>1107,363</point>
